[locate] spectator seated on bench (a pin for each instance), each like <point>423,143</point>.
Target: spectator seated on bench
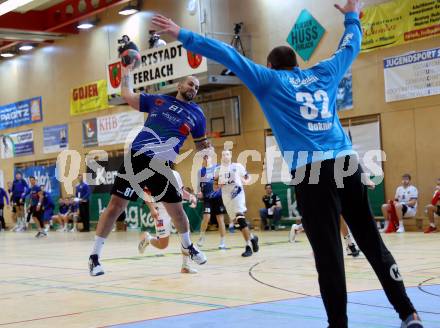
<point>433,209</point>
<point>272,210</point>
<point>404,205</point>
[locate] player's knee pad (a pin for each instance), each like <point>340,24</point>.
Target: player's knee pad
<point>241,222</point>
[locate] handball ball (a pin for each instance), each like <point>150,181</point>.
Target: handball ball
<point>130,56</point>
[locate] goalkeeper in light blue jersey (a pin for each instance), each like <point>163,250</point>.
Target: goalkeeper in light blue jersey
<point>300,106</point>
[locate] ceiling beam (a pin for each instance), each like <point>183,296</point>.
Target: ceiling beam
<point>58,17</point>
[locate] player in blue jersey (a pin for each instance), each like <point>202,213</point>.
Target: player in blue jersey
<point>212,201</point>
<point>35,206</point>
<point>47,207</point>
<point>300,108</point>
<point>18,189</point>
<point>147,163</point>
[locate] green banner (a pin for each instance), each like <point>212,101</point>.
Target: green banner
<point>138,214</point>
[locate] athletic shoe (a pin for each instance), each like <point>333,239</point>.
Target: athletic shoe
<point>254,242</point>
<point>14,228</point>
<point>41,234</point>
<point>95,268</point>
<point>222,246</point>
<point>293,233</point>
<point>196,255</point>
<point>413,321</point>
<point>431,229</point>
<point>187,269</point>
<point>247,252</point>
<point>401,229</point>
<point>352,250</point>
<point>201,241</point>
<point>144,243</point>
<point>73,230</point>
<point>231,229</point>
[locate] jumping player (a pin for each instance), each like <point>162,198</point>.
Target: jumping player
<point>170,121</point>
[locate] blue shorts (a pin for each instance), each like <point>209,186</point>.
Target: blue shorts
<point>47,214</point>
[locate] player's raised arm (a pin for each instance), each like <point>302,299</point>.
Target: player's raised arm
<point>132,98</point>
<point>253,75</point>
<point>349,45</point>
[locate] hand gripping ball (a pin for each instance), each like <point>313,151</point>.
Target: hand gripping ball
<point>130,56</point>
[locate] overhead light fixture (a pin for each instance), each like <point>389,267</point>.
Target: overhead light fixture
<point>26,47</point>
<point>88,24</point>
<point>7,54</point>
<point>11,5</point>
<point>85,26</point>
<point>128,10</point>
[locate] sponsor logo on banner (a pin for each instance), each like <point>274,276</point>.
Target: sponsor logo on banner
<point>396,22</point>
<point>194,60</point>
<point>102,176</point>
<point>111,129</point>
<point>305,35</point>
<point>89,98</point>
<point>17,144</point>
<point>90,132</point>
<point>55,138</point>
<point>412,75</point>
<point>21,113</point>
<point>114,74</point>
<point>158,65</point>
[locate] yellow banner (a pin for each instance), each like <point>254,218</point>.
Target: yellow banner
<point>89,98</point>
<point>399,21</point>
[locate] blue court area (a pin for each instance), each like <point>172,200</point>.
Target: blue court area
<point>368,309</point>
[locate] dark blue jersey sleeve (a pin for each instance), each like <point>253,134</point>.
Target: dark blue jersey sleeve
<point>146,101</point>
<point>199,131</point>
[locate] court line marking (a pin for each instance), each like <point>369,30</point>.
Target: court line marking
<point>315,296</point>
<point>41,318</point>
<point>121,294</point>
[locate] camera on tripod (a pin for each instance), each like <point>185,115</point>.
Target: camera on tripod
<point>126,44</point>
<point>236,44</point>
<point>237,28</point>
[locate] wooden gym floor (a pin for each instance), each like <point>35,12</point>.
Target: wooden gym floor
<point>45,283</point>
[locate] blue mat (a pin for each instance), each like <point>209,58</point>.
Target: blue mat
<point>368,309</point>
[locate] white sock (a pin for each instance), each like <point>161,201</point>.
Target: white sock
<point>251,236</point>
<point>231,225</point>
<point>401,223</point>
<point>348,240</point>
<point>97,247</point>
<point>185,260</point>
<point>248,243</point>
<point>185,239</point>
<point>432,224</point>
<point>202,234</point>
<point>222,240</point>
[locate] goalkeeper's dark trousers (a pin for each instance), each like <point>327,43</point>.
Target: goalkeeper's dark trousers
<point>320,204</point>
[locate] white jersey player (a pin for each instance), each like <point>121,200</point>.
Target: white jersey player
<point>229,177</point>
<point>163,226</point>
